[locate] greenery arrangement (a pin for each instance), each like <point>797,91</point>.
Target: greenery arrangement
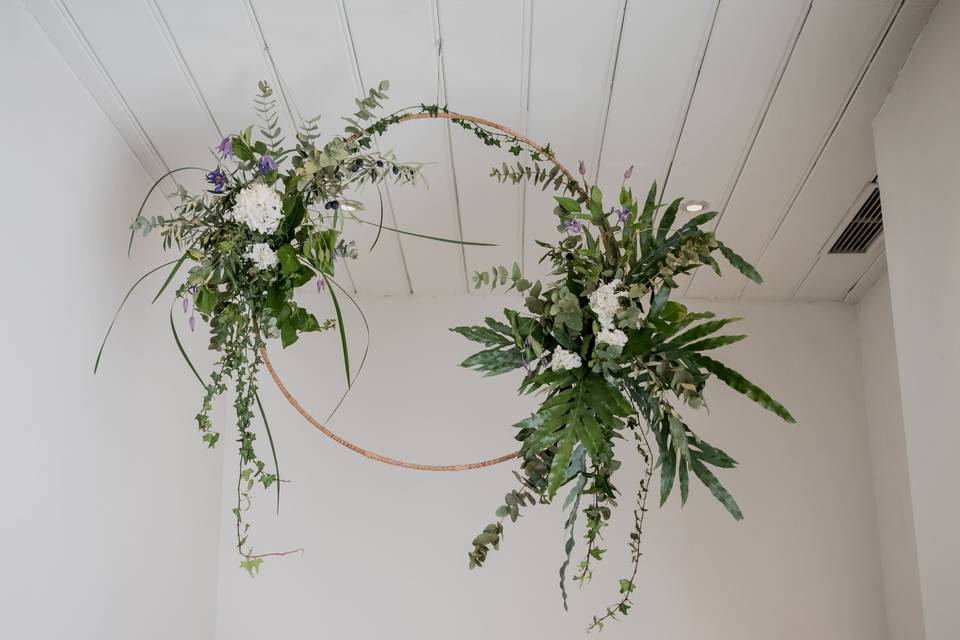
<point>611,354</point>
<point>613,357</point>
<point>270,223</point>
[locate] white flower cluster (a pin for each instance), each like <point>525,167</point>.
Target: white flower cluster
<point>612,336</point>
<point>605,302</point>
<point>258,206</point>
<point>564,360</point>
<point>261,255</point>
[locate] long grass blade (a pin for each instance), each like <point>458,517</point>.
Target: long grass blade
<point>96,364</point>
<point>273,449</point>
<point>380,223</point>
<point>183,352</point>
<point>172,273</point>
<point>366,347</point>
<point>426,237</point>
<point>340,328</point>
<point>143,204</point>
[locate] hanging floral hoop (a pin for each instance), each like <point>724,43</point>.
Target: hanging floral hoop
<point>290,398</point>
<point>598,339</point>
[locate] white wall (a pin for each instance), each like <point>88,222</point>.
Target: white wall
<point>917,138</point>
<point>891,481</point>
<point>385,548</point>
<point>109,501</point>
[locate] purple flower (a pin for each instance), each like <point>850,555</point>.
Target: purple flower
<point>583,168</point>
<point>623,214</point>
<point>333,204</point>
<point>186,304</point>
<point>192,321</point>
<point>225,147</point>
<point>628,173</point>
<point>321,285</point>
<point>217,179</point>
<point>267,164</point>
<point>574,226</point>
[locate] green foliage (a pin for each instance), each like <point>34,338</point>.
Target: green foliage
<point>611,354</point>
<point>243,303</point>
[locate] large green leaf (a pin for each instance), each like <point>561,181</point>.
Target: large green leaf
<point>666,221</point>
<point>494,362</point>
<point>561,460</point>
<point>484,335</point>
<point>717,489</point>
<point>668,470</point>
<point>646,219</point>
<point>699,331</point>
<point>737,382</point>
<point>740,264</point>
<point>713,343</point>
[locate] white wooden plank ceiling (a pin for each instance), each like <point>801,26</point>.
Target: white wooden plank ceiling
<point>762,109</point>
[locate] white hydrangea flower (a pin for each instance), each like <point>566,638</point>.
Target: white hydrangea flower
<point>262,256</point>
<point>259,207</point>
<point>605,302</point>
<point>564,360</point>
<point>612,337</point>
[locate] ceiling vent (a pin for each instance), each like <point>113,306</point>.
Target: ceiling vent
<point>863,228</point>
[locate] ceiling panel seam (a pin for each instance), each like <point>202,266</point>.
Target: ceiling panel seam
<point>526,61</point>
<point>295,117</point>
<point>758,126</point>
<point>164,27</point>
<point>685,113</point>
<point>442,99</point>
<point>361,88</point>
<point>293,113</point>
<point>846,296</point>
<point>74,27</point>
<point>608,94</point>
<point>891,20</point>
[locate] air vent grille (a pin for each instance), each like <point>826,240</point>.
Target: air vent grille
<point>864,227</point>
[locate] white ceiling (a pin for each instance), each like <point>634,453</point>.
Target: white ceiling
<point>761,107</point>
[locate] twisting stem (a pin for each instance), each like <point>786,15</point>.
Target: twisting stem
<point>364,452</point>
<point>638,515</point>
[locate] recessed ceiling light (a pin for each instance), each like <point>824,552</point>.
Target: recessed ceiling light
<point>695,206</point>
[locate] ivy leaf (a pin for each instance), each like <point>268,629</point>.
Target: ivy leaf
<point>206,300</point>
<point>252,565</point>
<point>287,256</point>
<point>568,204</point>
